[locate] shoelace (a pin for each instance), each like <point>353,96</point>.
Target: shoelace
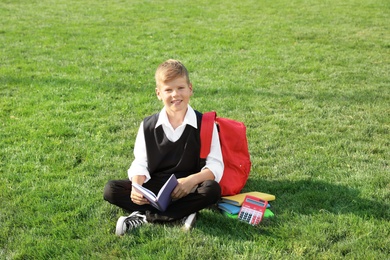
<point>133,222</point>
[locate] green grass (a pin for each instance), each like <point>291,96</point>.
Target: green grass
<point>310,79</point>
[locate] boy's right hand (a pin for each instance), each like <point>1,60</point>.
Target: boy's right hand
<point>138,198</point>
<point>135,196</point>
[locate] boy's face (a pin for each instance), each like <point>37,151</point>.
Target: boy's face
<point>175,94</point>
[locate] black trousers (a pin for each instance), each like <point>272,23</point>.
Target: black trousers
<point>117,192</point>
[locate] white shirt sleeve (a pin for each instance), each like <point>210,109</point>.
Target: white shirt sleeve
<point>140,164</point>
<point>214,161</point>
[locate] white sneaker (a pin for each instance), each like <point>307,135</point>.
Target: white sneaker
<point>189,221</point>
<point>131,221</point>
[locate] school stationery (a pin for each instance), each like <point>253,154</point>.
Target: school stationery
<point>268,213</point>
<point>234,216</point>
<point>238,199</point>
<point>252,210</point>
<point>231,209</point>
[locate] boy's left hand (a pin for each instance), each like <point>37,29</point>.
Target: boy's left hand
<point>183,188</point>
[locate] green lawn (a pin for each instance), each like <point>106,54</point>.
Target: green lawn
<point>310,79</point>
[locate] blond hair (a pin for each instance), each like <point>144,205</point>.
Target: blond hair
<point>170,70</point>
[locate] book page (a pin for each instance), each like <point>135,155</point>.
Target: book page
<point>162,201</point>
<point>149,195</point>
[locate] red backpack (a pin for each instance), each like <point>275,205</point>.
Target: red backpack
<point>234,146</point>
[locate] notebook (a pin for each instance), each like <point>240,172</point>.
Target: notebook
<point>238,199</point>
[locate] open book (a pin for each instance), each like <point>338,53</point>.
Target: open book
<point>162,200</point>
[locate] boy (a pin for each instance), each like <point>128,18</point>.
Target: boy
<point>169,143</point>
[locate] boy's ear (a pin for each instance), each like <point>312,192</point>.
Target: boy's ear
<point>158,93</point>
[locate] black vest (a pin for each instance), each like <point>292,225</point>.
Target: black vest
<point>166,157</point>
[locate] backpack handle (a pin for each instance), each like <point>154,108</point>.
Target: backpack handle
<point>206,133</point>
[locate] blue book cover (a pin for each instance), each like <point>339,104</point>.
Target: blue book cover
<point>229,208</point>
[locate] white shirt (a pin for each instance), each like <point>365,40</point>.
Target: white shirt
<point>139,166</point>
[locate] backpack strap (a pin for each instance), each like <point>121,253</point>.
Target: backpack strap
<point>206,133</point>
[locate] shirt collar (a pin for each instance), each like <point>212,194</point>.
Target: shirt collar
<point>189,118</point>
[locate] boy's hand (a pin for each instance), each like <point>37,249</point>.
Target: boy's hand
<point>138,198</point>
<point>187,184</point>
<point>135,196</point>
<point>183,188</point>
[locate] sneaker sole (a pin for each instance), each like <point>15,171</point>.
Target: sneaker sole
<point>121,227</point>
<point>190,221</point>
